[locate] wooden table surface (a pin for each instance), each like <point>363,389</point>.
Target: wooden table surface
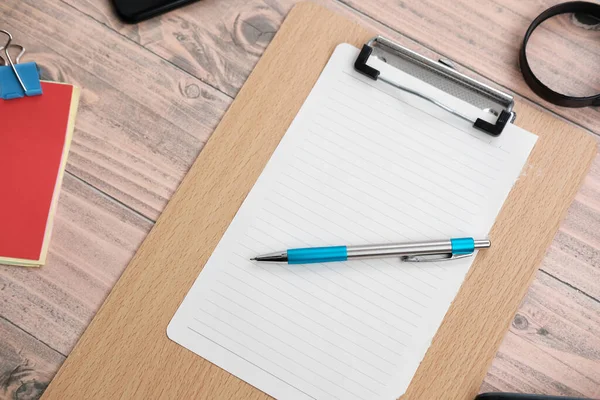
<point>151,96</point>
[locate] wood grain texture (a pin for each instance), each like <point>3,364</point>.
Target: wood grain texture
<point>574,256</point>
<point>93,240</point>
<point>26,364</point>
<point>557,355</point>
<point>219,42</point>
<point>130,328</point>
<point>141,121</point>
<point>553,346</point>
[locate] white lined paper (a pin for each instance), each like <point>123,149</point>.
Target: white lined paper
<point>361,163</point>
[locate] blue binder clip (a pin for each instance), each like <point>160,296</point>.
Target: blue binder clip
<point>17,80</point>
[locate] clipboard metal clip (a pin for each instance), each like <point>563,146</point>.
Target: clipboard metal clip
<point>17,80</point>
<point>443,76</point>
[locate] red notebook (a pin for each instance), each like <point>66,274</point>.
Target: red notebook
<point>35,135</point>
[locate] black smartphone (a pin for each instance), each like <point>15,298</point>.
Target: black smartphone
<point>133,11</point>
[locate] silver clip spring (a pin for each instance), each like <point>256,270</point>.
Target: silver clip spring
<point>17,58</point>
<point>6,47</point>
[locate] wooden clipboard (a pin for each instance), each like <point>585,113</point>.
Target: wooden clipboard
<point>125,353</point>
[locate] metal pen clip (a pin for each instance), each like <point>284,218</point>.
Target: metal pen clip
<point>434,257</point>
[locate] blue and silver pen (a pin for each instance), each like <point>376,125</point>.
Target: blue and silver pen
<point>412,252</point>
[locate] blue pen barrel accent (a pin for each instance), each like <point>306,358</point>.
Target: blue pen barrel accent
<point>317,255</point>
<point>463,245</point>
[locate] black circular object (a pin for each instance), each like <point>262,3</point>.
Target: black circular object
<point>534,83</point>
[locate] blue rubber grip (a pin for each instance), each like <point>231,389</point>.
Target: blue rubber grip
<point>463,245</point>
<point>317,255</point>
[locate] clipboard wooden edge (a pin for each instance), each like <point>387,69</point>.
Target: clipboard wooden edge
<point>125,353</point>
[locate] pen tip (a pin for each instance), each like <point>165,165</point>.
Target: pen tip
<point>253,259</point>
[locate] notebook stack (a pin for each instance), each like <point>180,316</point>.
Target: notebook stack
<point>34,144</point>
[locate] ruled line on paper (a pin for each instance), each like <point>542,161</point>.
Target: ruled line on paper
<point>287,345</point>
<point>274,350</point>
<point>423,126</point>
<point>416,140</point>
<point>354,210</point>
<point>407,191</point>
<point>356,308</point>
<point>358,165</point>
<point>372,185</point>
<point>405,138</point>
<point>414,183</point>
<point>351,233</point>
<point>301,192</point>
<point>250,362</point>
<point>311,344</point>
<point>341,191</point>
<point>429,114</point>
<point>315,322</point>
<point>404,150</point>
<point>396,233</point>
<point>218,332</point>
<point>360,325</point>
<point>330,343</point>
